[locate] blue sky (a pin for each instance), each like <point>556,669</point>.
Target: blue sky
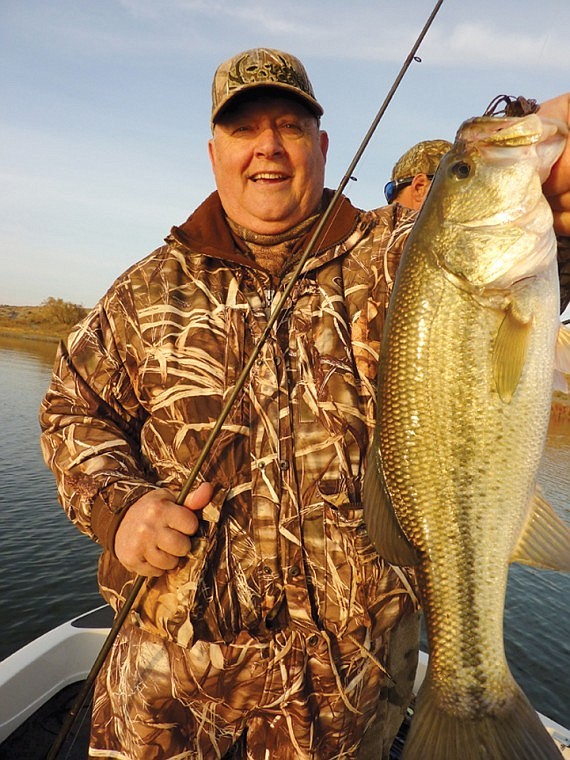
<point>105,109</point>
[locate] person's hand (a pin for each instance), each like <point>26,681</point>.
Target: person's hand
<point>154,533</point>
<point>557,186</point>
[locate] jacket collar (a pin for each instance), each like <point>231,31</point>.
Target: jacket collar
<point>207,232</point>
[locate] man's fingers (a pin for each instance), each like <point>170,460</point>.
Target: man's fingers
<point>200,497</point>
<point>163,559</point>
<point>557,108</point>
<point>557,186</point>
<point>155,532</point>
<point>171,542</point>
<point>562,223</point>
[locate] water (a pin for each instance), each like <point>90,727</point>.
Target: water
<point>48,569</point>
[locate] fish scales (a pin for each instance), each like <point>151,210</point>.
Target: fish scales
<point>464,396</point>
<point>444,451</point>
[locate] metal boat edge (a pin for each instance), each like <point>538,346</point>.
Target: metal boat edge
<point>42,668</point>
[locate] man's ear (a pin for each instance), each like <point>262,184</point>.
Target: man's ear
<point>324,142</point>
<point>211,153</point>
<point>419,188</point>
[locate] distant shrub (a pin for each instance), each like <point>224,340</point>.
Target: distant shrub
<point>57,310</point>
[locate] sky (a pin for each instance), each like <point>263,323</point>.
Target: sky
<point>105,109</point>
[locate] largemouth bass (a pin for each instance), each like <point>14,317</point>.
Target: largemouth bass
<point>465,386</point>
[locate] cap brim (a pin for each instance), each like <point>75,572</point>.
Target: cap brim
<point>252,91</point>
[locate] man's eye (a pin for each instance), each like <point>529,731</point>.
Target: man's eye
<point>291,128</point>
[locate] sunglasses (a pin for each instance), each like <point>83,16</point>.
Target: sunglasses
<point>392,188</point>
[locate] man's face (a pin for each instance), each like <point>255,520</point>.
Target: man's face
<point>268,157</point>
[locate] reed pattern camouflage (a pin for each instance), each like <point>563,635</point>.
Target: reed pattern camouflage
<point>282,578</point>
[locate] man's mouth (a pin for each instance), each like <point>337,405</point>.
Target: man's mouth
<point>269,177</point>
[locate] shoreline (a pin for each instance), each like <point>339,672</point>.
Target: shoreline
<point>30,323</point>
<point>31,335</point>
<point>49,322</point>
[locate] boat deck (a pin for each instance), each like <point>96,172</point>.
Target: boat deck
<point>34,738</point>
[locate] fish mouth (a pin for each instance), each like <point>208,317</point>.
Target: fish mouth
<point>546,136</point>
<point>507,131</point>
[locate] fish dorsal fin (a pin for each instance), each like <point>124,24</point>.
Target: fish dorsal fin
<point>562,360</point>
<point>509,353</point>
<point>381,521</point>
<point>545,539</point>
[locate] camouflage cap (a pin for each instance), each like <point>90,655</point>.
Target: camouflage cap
<point>262,68</point>
<point>422,158</point>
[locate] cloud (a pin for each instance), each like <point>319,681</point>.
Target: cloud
<point>293,20</point>
<point>476,44</point>
<point>359,31</point>
<point>494,35</point>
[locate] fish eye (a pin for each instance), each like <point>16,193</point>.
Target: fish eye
<point>461,170</point>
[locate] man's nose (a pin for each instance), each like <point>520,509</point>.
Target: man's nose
<point>269,142</point>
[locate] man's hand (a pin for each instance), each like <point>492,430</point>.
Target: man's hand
<point>557,186</point>
<point>154,533</point>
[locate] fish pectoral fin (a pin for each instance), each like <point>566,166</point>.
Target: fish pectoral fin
<point>383,527</point>
<point>562,360</point>
<point>545,539</point>
<point>509,352</point>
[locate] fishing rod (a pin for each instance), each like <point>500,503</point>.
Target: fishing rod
<point>238,387</point>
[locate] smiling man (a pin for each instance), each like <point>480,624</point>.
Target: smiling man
<point>268,625</point>
<point>268,157</point>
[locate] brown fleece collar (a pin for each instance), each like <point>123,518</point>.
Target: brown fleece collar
<point>207,231</point>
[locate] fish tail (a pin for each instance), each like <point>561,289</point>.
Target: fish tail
<point>517,732</point>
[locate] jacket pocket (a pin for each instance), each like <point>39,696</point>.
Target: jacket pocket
<point>363,589</point>
<point>351,564</point>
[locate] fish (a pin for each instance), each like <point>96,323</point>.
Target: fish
<point>465,382</point>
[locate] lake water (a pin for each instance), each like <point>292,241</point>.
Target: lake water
<point>47,567</point>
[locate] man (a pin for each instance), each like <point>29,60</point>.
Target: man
<point>413,172</point>
<point>267,607</point>
<point>267,619</point>
<point>405,192</point>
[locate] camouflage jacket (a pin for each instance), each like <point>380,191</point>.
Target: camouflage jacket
<point>142,381</point>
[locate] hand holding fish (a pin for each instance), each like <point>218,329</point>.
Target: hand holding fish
<point>557,186</point>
